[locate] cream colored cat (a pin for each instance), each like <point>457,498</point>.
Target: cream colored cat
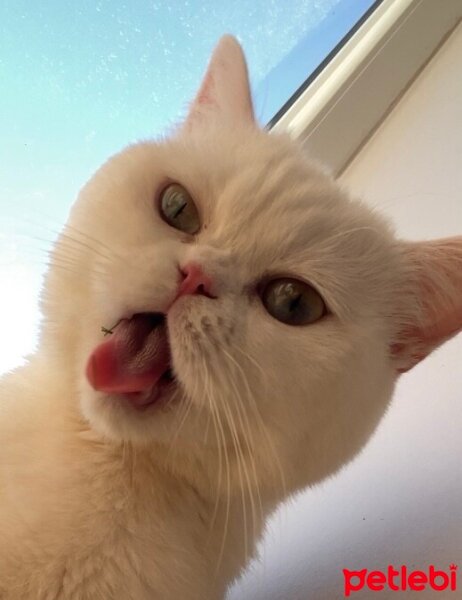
<point>222,326</point>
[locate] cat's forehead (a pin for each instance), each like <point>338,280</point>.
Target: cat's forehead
<point>260,194</point>
<point>239,183</point>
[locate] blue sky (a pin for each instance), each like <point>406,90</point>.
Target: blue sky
<point>79,80</point>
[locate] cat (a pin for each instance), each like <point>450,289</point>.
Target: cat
<point>222,327</point>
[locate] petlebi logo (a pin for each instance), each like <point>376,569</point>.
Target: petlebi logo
<point>400,579</point>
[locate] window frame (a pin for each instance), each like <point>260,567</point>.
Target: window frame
<point>348,99</point>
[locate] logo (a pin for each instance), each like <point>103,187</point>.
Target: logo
<point>400,579</point>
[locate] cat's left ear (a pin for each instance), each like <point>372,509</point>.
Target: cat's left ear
<point>433,311</point>
<point>225,91</point>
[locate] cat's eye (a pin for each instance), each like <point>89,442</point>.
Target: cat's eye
<point>178,209</point>
<point>292,301</point>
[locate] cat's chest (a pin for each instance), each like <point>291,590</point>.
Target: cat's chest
<point>105,535</point>
<point>122,566</point>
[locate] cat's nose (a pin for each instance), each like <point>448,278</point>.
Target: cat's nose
<point>195,281</point>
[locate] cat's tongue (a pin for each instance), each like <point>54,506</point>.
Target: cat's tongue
<point>133,358</point>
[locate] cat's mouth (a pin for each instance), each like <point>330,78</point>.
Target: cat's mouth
<point>134,361</point>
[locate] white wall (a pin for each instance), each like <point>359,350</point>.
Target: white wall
<point>400,502</point>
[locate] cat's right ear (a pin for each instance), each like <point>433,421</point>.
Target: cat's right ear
<point>432,311</point>
<point>224,95</point>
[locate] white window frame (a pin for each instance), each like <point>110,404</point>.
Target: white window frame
<point>344,105</point>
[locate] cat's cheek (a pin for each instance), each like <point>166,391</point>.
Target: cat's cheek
<point>190,348</point>
<point>143,279</point>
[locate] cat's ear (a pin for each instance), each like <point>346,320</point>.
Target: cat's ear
<point>434,305</point>
<point>225,91</point>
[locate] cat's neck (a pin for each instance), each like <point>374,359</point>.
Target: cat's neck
<point>49,408</point>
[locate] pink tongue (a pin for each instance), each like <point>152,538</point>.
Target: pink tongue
<point>133,358</point>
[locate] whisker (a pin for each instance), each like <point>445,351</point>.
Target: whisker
<point>67,239</point>
<point>242,415</point>
<point>228,485</point>
<point>187,403</point>
<point>92,239</point>
<point>59,229</point>
<point>219,441</point>
<point>259,419</point>
<point>241,467</point>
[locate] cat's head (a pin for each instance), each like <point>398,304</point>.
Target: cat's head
<point>250,307</point>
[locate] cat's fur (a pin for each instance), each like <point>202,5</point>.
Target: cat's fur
<point>99,501</point>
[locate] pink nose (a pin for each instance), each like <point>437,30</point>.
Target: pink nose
<point>195,281</point>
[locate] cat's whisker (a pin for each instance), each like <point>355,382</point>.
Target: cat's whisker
<point>45,258</point>
<point>219,472</point>
<point>253,464</point>
<point>186,407</point>
<point>58,231</point>
<point>70,259</point>
<point>172,447</point>
<point>70,250</point>
<point>260,422</point>
<point>69,240</point>
<point>66,251</point>
<point>206,387</point>
<point>69,243</point>
<point>247,434</point>
<point>207,428</point>
<point>65,268</point>
<point>201,385</point>
<point>259,419</point>
<point>186,403</point>
<point>93,239</point>
<point>240,461</point>
<point>27,253</point>
<point>265,377</point>
<point>212,417</point>
<point>63,264</point>
<point>228,484</point>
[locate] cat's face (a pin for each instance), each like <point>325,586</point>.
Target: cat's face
<point>251,373</point>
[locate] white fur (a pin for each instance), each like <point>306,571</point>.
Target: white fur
<point>98,501</point>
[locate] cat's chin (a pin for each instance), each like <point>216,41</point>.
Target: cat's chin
<point>137,418</point>
<point>158,397</point>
